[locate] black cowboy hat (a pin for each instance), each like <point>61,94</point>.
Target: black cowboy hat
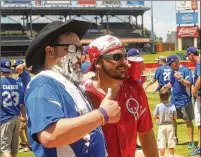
<point>35,54</point>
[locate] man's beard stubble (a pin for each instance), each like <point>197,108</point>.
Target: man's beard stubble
<point>113,73</point>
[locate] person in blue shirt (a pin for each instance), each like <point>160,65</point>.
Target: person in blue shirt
<point>85,65</point>
<point>193,56</point>
<point>61,121</point>
<point>23,78</point>
<point>23,73</point>
<point>162,74</point>
<point>11,101</point>
<point>181,81</point>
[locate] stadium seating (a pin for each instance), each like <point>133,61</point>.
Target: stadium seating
<point>11,26</point>
<point>14,37</point>
<point>37,26</point>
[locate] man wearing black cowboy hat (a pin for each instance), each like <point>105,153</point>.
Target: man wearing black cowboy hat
<point>61,122</point>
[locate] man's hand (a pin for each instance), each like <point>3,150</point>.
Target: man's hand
<point>111,107</point>
<point>177,75</point>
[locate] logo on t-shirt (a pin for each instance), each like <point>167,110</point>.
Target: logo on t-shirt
<point>134,108</point>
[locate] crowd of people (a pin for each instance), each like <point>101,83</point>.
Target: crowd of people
<point>91,102</point>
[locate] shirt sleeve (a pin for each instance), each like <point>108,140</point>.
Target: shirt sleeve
<point>198,69</point>
<point>145,123</point>
<point>25,77</point>
<point>43,109</point>
<point>188,75</point>
<point>156,110</point>
<point>157,72</point>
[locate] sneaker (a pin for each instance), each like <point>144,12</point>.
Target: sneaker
<point>191,145</point>
<point>196,151</point>
<point>23,148</point>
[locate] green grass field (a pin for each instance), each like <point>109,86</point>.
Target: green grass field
<point>181,148</point>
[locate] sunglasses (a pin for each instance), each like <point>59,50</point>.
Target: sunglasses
<point>72,48</point>
<point>115,57</point>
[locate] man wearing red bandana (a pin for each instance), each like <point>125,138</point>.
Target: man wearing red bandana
<point>108,61</point>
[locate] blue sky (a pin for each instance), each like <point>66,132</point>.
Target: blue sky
<point>164,14</point>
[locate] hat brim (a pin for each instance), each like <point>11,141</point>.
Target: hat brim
<point>35,54</point>
<point>6,70</point>
<point>14,65</point>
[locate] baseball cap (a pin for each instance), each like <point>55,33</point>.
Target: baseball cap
<point>103,45</point>
<point>5,65</point>
<point>161,58</point>
<point>192,49</point>
<point>17,62</point>
<point>134,53</point>
<point>171,58</point>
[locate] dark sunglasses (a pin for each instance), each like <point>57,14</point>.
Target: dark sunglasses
<point>72,48</point>
<point>115,57</point>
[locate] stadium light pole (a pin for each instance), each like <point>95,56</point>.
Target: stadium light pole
<point>152,28</point>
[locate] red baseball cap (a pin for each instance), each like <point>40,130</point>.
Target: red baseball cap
<point>103,45</point>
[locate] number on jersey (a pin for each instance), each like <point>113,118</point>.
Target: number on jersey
<point>10,98</point>
<point>166,76</point>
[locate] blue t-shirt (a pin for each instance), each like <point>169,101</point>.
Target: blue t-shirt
<point>196,75</point>
<point>11,98</point>
<point>162,75</point>
<point>50,97</point>
<point>180,94</point>
<point>85,66</point>
<point>24,79</point>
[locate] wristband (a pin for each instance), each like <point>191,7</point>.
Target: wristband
<point>105,115</point>
<point>180,79</point>
<point>103,120</point>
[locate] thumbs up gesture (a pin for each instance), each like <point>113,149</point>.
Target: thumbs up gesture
<point>111,107</point>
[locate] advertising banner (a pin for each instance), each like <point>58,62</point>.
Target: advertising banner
<point>183,5</point>
<point>18,2</point>
<point>57,2</point>
<point>111,1</point>
<point>187,31</point>
<point>194,5</point>
<point>187,18</point>
<point>87,2</point>
<point>135,3</point>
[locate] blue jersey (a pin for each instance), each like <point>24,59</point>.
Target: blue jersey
<point>180,94</point>
<point>162,75</point>
<point>11,98</point>
<point>24,79</point>
<point>196,75</point>
<point>50,97</point>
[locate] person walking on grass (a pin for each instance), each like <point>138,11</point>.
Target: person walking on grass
<point>181,81</point>
<point>193,56</point>
<point>11,101</point>
<point>165,114</point>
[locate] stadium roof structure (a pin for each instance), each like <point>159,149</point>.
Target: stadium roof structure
<point>134,11</point>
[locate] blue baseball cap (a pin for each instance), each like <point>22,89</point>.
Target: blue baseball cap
<point>134,53</point>
<point>17,62</point>
<point>191,49</point>
<point>171,59</point>
<point>6,65</point>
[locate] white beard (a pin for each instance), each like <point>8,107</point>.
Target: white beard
<point>68,68</point>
